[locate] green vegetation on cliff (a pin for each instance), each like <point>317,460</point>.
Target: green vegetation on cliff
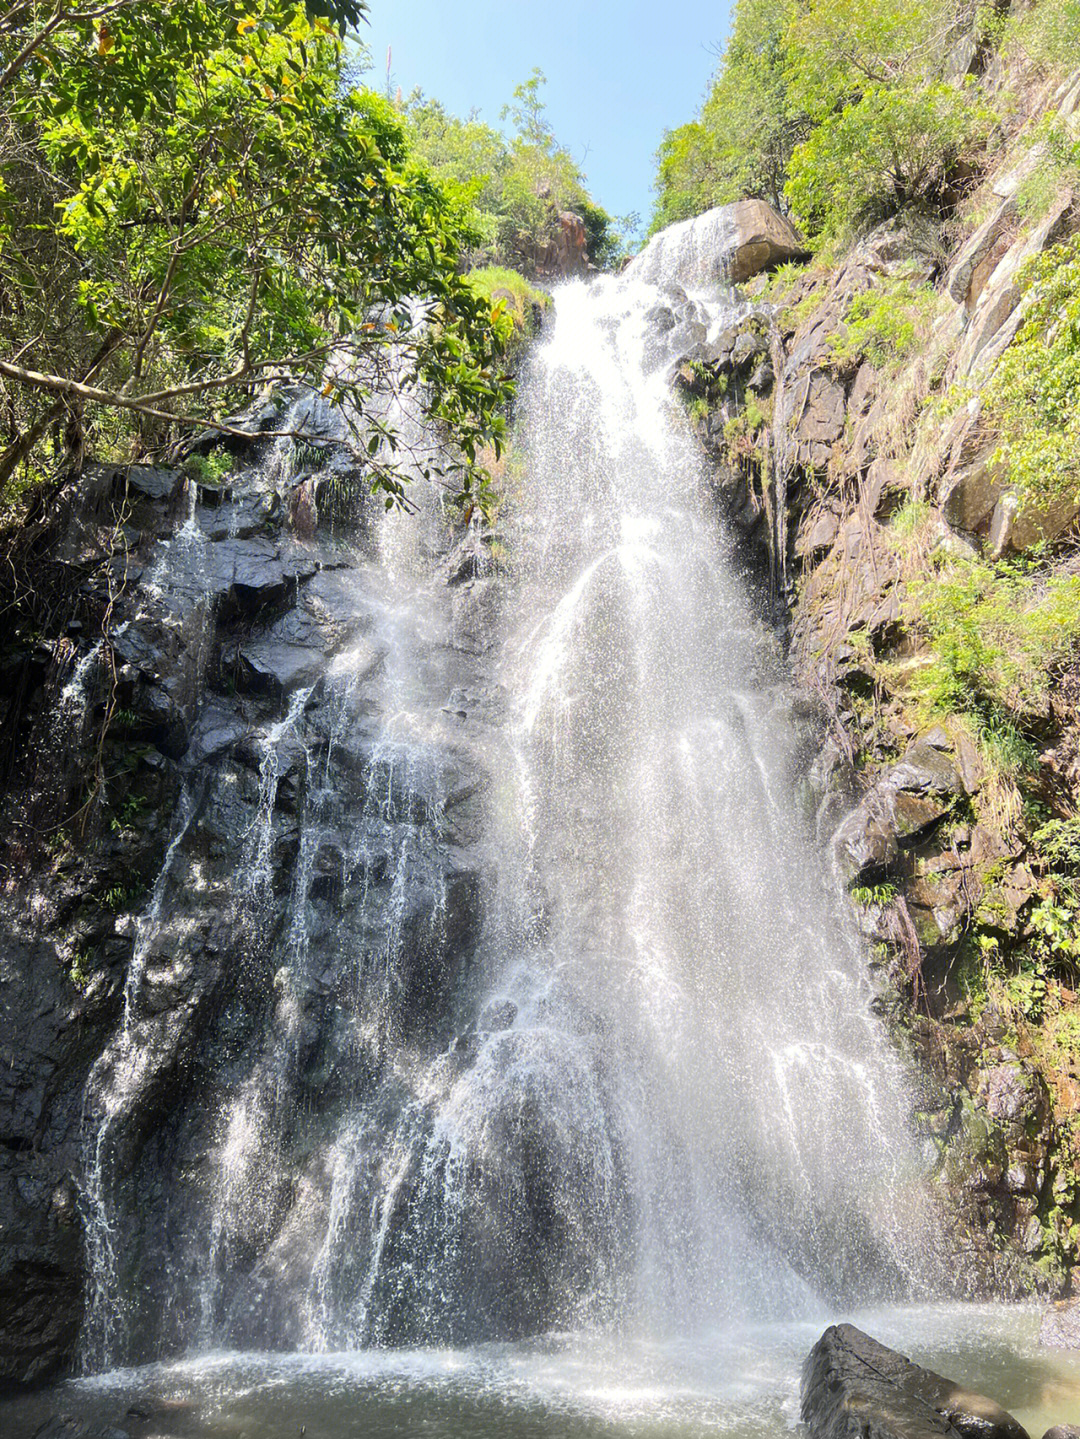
<point>843,111</point>
<point>517,188</point>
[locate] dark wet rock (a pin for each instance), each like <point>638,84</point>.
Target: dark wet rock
<point>238,519</point>
<point>61,1427</point>
<point>475,614</point>
<point>924,770</point>
<point>254,571</point>
<point>151,483</point>
<point>1063,1431</point>
<point>220,728</point>
<point>499,1014</point>
<point>908,800</point>
<point>865,842</point>
<point>855,1388</point>
<point>294,649</point>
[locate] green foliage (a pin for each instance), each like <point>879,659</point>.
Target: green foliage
<point>1059,841</point>
<point>910,519</point>
<point>1031,397</point>
<point>1025,992</point>
<point>514,304</point>
<point>884,324</point>
<point>209,469</point>
<point>894,146</point>
<point>748,127</point>
<point>1054,921</point>
<point>875,896</point>
<point>128,814</point>
<point>998,633</point>
<point>493,279</point>
<point>515,188</point>
<point>193,200</point>
<point>840,109</point>
<point>1049,33</point>
<point>81,968</point>
<point>120,897</point>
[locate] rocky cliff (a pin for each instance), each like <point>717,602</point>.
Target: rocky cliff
<point>175,795</point>
<point>853,452</point>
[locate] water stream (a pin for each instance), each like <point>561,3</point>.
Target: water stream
<point>557,1091</point>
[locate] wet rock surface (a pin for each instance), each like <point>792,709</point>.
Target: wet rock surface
<point>855,1388</point>
<point>242,703</point>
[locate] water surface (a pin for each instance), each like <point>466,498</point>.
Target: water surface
<point>741,1383</point>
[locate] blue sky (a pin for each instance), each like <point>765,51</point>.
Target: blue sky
<point>618,74</point>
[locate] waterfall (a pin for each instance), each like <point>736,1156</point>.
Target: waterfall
<point>700,1001</point>
<point>536,1008</point>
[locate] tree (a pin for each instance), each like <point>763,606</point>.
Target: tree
<point>517,187</point>
<point>212,210</point>
<point>837,109</point>
<point>749,124</point>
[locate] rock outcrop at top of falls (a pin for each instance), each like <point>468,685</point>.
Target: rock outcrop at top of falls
<point>727,245</point>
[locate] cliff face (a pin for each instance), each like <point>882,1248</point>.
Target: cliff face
<point>852,451</point>
<point>177,795</point>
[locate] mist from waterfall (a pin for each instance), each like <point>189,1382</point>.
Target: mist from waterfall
<point>617,1068</point>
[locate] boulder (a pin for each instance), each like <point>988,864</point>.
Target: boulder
<point>1015,528</point>
<point>295,648</point>
<point>855,1388</point>
<point>152,483</point>
<point>969,495</point>
<point>965,279</point>
<point>907,800</point>
<point>924,769</point>
<point>729,244</point>
<point>865,843</point>
<point>254,571</point>
<point>763,238</point>
<point>1063,1431</point>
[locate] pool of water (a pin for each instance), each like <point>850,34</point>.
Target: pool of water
<point>742,1384</point>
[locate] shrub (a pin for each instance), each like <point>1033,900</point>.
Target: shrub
<point>997,635</point>
<point>1049,34</point>
<point>884,324</point>
<point>1031,396</point>
<point>891,148</point>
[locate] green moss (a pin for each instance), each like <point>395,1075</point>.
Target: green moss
<point>210,469</point>
<point>884,325</point>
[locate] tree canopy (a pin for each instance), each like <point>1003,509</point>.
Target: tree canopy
<point>515,187</point>
<point>194,203</point>
<point>842,111</point>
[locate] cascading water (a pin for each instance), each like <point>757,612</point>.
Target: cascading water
<point>496,1057</point>
<point>531,1009</point>
<point>676,1105</point>
<point>694,990</point>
